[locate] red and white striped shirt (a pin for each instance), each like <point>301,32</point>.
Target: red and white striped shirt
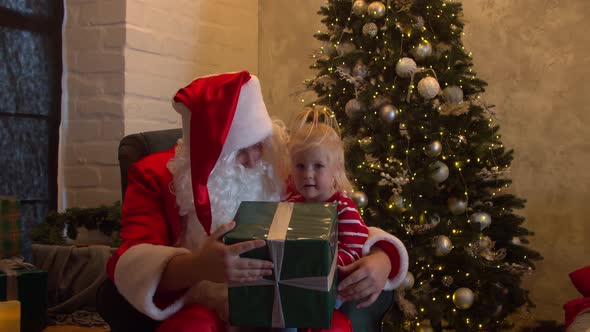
<point>352,231</point>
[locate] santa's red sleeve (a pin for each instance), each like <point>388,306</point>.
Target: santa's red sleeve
<point>136,268</point>
<point>395,250</point>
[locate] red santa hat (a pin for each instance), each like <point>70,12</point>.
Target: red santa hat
<point>220,114</point>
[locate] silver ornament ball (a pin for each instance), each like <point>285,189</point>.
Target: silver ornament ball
<point>359,7</point>
<point>405,67</point>
<point>453,94</point>
<point>422,51</point>
<point>353,107</point>
<point>388,113</point>
<point>457,206</point>
<point>434,149</point>
<point>360,199</point>
<point>376,9</point>
<point>428,87</point>
<point>370,29</point>
<point>397,202</point>
<point>482,218</point>
<point>409,280</point>
<point>439,172</point>
<point>442,245</point>
<point>463,298</point>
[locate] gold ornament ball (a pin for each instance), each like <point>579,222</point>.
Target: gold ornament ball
<point>359,7</point>
<point>376,9</point>
<point>388,113</point>
<point>424,328</point>
<point>463,298</point>
<point>434,149</point>
<point>360,199</point>
<point>442,245</point>
<point>370,29</point>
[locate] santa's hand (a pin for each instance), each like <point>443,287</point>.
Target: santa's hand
<point>222,263</point>
<point>366,278</point>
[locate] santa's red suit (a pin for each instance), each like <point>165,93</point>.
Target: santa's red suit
<point>153,231</point>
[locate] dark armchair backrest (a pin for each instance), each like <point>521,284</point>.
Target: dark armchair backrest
<point>136,146</point>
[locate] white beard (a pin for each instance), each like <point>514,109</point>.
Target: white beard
<point>229,184</point>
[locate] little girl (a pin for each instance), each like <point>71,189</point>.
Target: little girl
<point>318,174</point>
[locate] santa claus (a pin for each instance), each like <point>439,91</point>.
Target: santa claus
<point>171,265</point>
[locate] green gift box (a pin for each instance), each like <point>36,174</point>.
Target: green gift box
<point>10,232</point>
<point>29,287</point>
<point>302,242</point>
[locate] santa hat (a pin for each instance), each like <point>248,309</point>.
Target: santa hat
<point>220,114</point>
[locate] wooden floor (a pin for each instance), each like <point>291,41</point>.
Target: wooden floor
<point>71,328</point>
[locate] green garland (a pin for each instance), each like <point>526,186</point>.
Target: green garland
<point>57,225</point>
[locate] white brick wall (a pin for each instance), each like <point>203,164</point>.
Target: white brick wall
<point>124,60</point>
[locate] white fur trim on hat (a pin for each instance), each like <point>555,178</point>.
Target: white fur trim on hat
<point>137,276</point>
<point>376,235</point>
<point>251,123</point>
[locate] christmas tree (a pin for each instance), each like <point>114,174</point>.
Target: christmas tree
<point>426,158</point>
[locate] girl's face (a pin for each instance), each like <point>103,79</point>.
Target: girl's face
<point>313,175</point>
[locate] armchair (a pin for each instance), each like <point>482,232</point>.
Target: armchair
<point>134,147</point>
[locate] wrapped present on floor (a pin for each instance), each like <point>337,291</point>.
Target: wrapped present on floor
<point>10,232</point>
<point>302,242</point>
<point>22,282</point>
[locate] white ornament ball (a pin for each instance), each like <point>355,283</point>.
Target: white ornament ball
<point>434,149</point>
<point>408,282</point>
<point>457,206</point>
<point>405,67</point>
<point>482,218</point>
<point>422,51</point>
<point>453,94</point>
<point>345,48</point>
<point>353,107</point>
<point>328,48</point>
<point>442,245</point>
<point>359,7</point>
<point>376,9</point>
<point>418,22</point>
<point>388,113</point>
<point>360,70</point>
<point>428,87</point>
<point>463,298</point>
<point>439,172</point>
<point>516,240</point>
<point>370,29</point>
<point>360,199</point>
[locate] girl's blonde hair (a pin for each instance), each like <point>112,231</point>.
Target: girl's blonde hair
<point>315,128</point>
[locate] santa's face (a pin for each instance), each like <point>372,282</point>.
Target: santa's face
<point>249,157</point>
<point>231,182</point>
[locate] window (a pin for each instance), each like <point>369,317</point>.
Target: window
<point>30,104</point>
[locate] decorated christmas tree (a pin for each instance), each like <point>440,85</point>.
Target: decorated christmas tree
<point>427,159</point>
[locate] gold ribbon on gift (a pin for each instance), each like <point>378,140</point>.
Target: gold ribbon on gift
<point>9,266</point>
<point>277,234</point>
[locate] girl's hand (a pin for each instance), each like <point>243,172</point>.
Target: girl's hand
<point>366,278</point>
